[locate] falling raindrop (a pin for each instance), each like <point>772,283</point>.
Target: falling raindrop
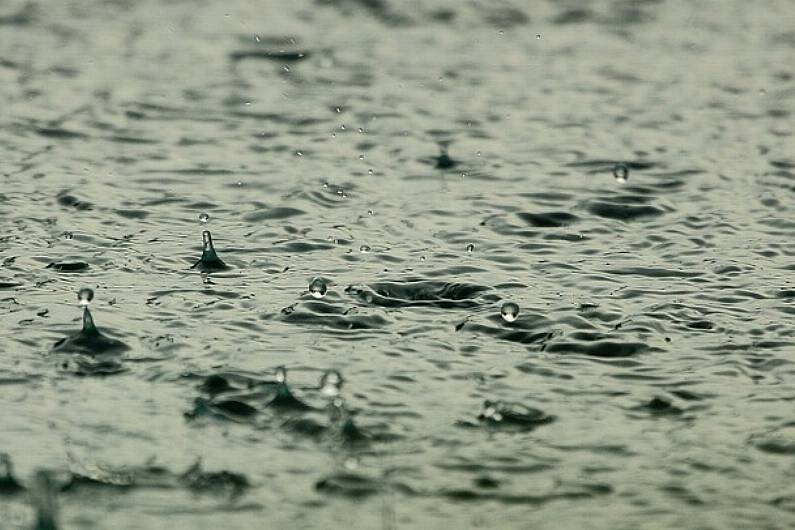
<point>370,212</point>
<point>509,311</point>
<point>317,288</point>
<point>470,248</point>
<point>204,217</point>
<point>621,172</point>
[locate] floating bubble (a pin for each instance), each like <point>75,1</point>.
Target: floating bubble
<point>621,172</point>
<point>509,311</point>
<point>470,248</point>
<point>84,296</point>
<point>317,288</point>
<point>204,217</point>
<point>364,249</point>
<point>331,383</point>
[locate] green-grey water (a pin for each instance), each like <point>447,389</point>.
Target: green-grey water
<point>383,181</point>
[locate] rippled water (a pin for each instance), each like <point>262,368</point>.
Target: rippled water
<point>423,165</point>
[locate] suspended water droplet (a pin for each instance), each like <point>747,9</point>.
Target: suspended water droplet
<point>239,183</point>
<point>361,130</point>
<point>286,68</point>
<point>325,185</point>
<point>370,212</point>
<point>470,248</point>
<point>337,109</point>
<point>364,249</point>
<point>257,38</point>
<point>422,258</point>
<point>331,383</point>
<point>299,153</point>
<point>317,288</point>
<point>370,171</point>
<point>509,311</point>
<point>361,157</point>
<point>502,32</point>
<point>342,126</point>
<point>621,172</point>
<point>538,36</point>
<point>478,153</point>
<point>68,236</point>
<point>84,296</point>
<point>281,374</point>
<point>204,217</point>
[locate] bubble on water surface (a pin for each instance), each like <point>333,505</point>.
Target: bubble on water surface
<point>621,172</point>
<point>317,288</point>
<point>331,383</point>
<point>509,311</point>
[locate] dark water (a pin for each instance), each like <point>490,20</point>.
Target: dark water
<point>428,162</point>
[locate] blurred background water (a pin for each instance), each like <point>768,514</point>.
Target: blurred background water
<point>426,163</point>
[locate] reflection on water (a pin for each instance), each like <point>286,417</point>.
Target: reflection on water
<point>475,264</point>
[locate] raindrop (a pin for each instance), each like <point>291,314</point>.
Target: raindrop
<point>361,130</point>
<point>299,153</point>
<point>317,288</point>
<point>509,311</point>
<point>621,172</point>
<point>538,36</point>
<point>286,68</point>
<point>281,375</point>
<point>331,383</point>
<point>364,249</point>
<point>84,296</point>
<point>257,38</point>
<point>204,217</point>
<point>370,212</point>
<point>361,157</point>
<point>370,171</point>
<point>338,110</point>
<point>470,248</point>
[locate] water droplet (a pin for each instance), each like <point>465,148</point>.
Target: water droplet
<point>342,126</point>
<point>621,172</point>
<point>286,68</point>
<point>68,236</point>
<point>281,374</point>
<point>502,32</point>
<point>257,38</point>
<point>338,109</point>
<point>317,288</point>
<point>84,296</point>
<point>239,183</point>
<point>422,258</point>
<point>364,249</point>
<point>299,153</point>
<point>361,157</point>
<point>204,217</point>
<point>331,383</point>
<point>491,411</point>
<point>370,212</point>
<point>538,36</point>
<point>361,130</point>
<point>470,248</point>
<point>509,311</point>
<point>370,171</point>
<point>478,153</point>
